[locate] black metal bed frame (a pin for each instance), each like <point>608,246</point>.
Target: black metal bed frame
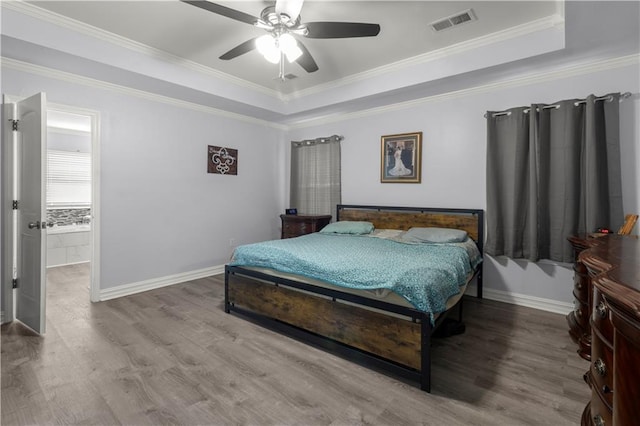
<point>423,377</point>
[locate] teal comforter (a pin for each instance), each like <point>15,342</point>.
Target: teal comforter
<point>424,274</point>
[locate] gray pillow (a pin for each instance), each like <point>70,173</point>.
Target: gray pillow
<point>435,235</point>
<point>348,227</point>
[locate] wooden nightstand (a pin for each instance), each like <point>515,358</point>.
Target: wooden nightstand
<point>296,225</point>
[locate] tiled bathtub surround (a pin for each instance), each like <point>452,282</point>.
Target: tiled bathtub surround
<point>68,241</point>
<point>62,217</point>
<point>67,245</point>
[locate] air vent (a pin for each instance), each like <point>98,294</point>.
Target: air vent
<point>287,77</point>
<point>453,20</point>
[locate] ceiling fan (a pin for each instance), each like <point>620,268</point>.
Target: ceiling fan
<point>281,22</point>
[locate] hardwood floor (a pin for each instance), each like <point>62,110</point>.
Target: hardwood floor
<point>172,356</point>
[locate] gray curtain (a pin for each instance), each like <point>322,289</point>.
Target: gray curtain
<point>552,171</point>
<point>315,175</point>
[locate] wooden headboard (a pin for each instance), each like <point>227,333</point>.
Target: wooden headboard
<point>385,217</point>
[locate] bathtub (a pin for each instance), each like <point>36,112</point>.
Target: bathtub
<point>66,229</point>
<point>68,244</point>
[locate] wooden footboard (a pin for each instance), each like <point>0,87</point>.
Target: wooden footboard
<point>391,338</point>
<point>343,323</point>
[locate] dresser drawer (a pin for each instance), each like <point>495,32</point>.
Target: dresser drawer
<point>626,358</point>
<point>600,317</point>
<point>602,370</point>
<point>297,225</point>
<point>600,413</point>
<point>294,229</point>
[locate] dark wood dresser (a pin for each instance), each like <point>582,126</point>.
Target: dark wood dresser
<point>578,319</point>
<point>296,225</point>
<point>613,264</point>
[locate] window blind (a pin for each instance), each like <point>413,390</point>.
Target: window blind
<point>68,178</point>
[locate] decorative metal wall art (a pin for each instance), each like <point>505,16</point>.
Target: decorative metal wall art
<point>222,161</point>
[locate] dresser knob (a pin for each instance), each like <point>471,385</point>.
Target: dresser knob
<point>606,389</point>
<point>600,367</point>
<point>598,420</point>
<point>602,310</point>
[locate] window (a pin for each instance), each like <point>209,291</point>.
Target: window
<point>552,171</point>
<point>315,175</point>
<point>68,178</point>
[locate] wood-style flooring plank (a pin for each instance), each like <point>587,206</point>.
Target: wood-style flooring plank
<point>172,356</point>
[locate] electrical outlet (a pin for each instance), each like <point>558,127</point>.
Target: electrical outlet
<point>232,242</point>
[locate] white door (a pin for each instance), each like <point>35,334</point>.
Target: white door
<point>32,228</point>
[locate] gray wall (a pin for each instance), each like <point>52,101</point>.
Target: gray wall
<point>161,212</point>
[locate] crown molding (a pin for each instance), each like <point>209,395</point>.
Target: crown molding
<point>558,74</point>
<point>554,21</point>
<point>99,84</point>
<point>25,8</point>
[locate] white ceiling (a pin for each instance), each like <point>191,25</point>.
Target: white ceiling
<point>171,49</point>
<point>201,36</point>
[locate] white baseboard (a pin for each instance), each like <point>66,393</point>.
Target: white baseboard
<point>146,285</point>
<point>497,295</point>
<point>548,305</point>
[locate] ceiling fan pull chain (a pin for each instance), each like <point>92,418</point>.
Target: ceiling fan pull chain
<point>281,73</point>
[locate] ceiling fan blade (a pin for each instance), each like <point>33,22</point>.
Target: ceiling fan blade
<point>306,60</point>
<point>240,49</point>
<point>223,10</point>
<point>341,29</point>
<point>291,8</point>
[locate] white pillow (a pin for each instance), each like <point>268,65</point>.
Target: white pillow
<point>435,235</point>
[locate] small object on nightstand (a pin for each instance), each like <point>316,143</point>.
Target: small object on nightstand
<point>627,226</point>
<point>297,225</point>
<point>291,211</point>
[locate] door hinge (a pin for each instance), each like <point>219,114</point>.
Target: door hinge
<point>14,205</point>
<point>15,283</point>
<point>14,124</point>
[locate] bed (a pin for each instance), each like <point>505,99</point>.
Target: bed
<point>383,331</point>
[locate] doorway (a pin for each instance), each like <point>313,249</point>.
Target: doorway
<point>72,130</point>
<point>69,204</point>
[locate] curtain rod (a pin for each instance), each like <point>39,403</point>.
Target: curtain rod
<point>555,106</point>
<point>337,138</point>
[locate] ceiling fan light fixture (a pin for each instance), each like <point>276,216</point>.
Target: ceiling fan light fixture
<point>268,47</point>
<point>289,46</point>
<point>282,20</point>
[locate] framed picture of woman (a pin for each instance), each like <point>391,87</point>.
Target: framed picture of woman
<point>401,157</point>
